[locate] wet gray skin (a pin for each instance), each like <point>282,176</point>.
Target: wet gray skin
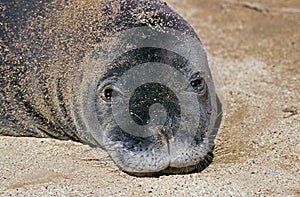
<point>60,76</point>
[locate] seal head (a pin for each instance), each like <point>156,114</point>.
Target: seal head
<point>154,108</point>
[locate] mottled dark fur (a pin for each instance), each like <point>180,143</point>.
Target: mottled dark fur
<point>17,61</point>
<point>41,53</point>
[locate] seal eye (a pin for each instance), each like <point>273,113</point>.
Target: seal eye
<point>198,83</point>
<point>109,91</point>
<point>106,92</point>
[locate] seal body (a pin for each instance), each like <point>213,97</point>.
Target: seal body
<point>56,80</point>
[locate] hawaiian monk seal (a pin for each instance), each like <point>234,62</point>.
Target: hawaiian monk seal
<point>128,76</point>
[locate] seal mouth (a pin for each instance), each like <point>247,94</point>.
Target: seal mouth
<point>200,166</point>
<point>153,156</point>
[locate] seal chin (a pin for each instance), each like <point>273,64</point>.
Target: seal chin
<point>156,155</point>
<point>202,163</point>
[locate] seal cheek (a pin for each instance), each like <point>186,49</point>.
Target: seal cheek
<point>186,157</point>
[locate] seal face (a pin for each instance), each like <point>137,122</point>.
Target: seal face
<point>128,76</point>
<point>155,104</point>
